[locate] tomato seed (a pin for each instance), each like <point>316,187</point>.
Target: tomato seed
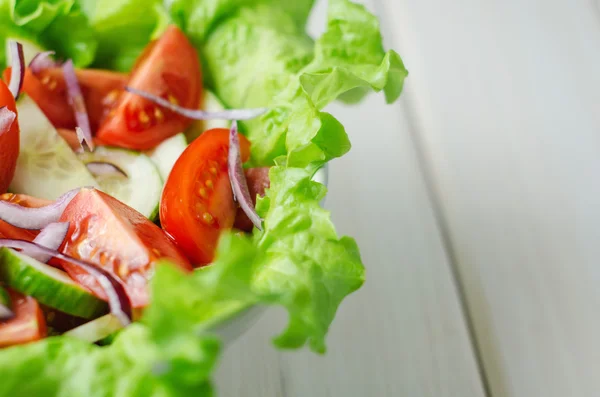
<point>208,218</point>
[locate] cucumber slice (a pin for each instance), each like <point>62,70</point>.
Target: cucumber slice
<point>166,154</point>
<point>210,103</point>
<point>140,189</point>
<point>47,167</point>
<point>97,329</point>
<point>30,49</point>
<point>50,286</point>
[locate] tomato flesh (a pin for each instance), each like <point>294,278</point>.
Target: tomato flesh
<point>258,181</point>
<point>48,90</point>
<point>197,202</point>
<point>9,141</point>
<point>112,235</point>
<point>169,68</point>
<point>27,325</point>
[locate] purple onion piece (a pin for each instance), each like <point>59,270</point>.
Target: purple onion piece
<point>17,73</point>
<point>7,117</point>
<point>35,218</point>
<point>233,114</point>
<point>5,313</point>
<point>41,61</point>
<point>118,300</point>
<point>84,131</point>
<point>103,168</point>
<point>51,237</point>
<point>238,179</point>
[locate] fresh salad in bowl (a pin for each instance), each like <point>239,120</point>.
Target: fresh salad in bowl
<point>159,168</point>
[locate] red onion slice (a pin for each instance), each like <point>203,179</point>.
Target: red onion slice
<point>5,313</point>
<point>118,300</point>
<point>84,131</point>
<point>42,61</point>
<point>17,73</point>
<point>7,117</point>
<point>238,179</point>
<point>51,237</point>
<point>103,168</point>
<point>35,218</point>
<point>233,114</point>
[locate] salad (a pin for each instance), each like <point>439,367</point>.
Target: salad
<point>157,164</point>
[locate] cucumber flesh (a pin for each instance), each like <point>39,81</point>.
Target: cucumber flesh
<point>47,167</point>
<point>140,189</point>
<point>30,49</point>
<point>97,329</point>
<point>210,103</point>
<point>166,154</point>
<point>50,286</point>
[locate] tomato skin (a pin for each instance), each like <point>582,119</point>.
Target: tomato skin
<point>9,141</point>
<point>49,91</point>
<point>28,324</point>
<point>258,181</point>
<point>114,236</point>
<point>168,67</point>
<point>13,232</point>
<point>197,202</point>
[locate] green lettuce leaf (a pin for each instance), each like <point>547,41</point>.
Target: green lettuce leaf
<point>123,28</point>
<point>199,17</point>
<point>260,58</point>
<point>56,24</point>
<point>304,265</point>
<point>206,297</point>
<point>132,366</point>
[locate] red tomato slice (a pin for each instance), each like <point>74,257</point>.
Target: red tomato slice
<point>12,232</point>
<point>168,68</point>
<point>100,89</point>
<point>258,181</point>
<point>27,325</point>
<point>110,234</point>
<point>197,202</point>
<point>9,141</point>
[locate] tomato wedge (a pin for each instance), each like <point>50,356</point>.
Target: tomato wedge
<point>100,89</point>
<point>168,68</point>
<point>110,234</point>
<point>12,232</point>
<point>258,181</point>
<point>27,325</point>
<point>197,202</point>
<point>9,141</point>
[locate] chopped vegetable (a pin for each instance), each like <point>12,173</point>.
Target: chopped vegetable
<point>51,237</point>
<point>83,129</point>
<point>238,180</point>
<point>235,114</point>
<point>42,61</point>
<point>118,300</point>
<point>18,68</point>
<point>35,218</point>
<point>27,324</point>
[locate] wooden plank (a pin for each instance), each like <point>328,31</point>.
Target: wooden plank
<point>505,96</point>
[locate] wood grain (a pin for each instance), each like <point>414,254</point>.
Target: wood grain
<point>505,96</point>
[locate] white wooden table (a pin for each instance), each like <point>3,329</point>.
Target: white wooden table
<point>476,202</point>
